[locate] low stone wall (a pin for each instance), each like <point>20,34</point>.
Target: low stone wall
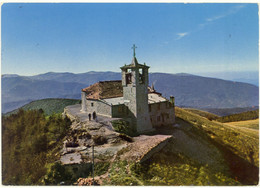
<point>144,147</point>
<point>155,149</point>
<point>71,116</point>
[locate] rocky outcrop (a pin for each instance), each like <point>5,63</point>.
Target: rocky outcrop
<point>107,143</point>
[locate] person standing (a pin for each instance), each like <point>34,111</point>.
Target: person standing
<point>94,116</point>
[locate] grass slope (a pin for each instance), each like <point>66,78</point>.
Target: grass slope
<point>248,128</point>
<point>252,124</point>
<point>201,152</point>
<point>49,106</point>
<point>229,111</point>
<point>240,150</point>
<point>205,114</point>
<point>249,115</point>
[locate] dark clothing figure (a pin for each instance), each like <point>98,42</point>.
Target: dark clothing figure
<point>89,117</point>
<point>94,115</point>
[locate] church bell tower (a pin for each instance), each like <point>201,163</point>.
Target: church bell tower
<point>135,93</point>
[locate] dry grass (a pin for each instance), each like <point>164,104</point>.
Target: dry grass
<point>252,124</point>
<point>243,143</point>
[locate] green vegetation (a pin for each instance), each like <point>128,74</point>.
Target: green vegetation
<point>240,144</point>
<point>240,149</point>
<point>205,114</point>
<point>100,168</point>
<point>229,111</point>
<point>252,124</point>
<point>31,142</point>
<point>250,115</point>
<point>123,126</point>
<point>49,106</point>
<point>172,167</point>
<point>58,174</point>
<point>168,170</point>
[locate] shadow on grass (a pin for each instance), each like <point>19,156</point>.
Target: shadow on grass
<point>240,169</point>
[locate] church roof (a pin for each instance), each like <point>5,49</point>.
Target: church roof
<point>104,89</point>
<point>152,98</point>
<point>108,89</point>
<point>134,63</point>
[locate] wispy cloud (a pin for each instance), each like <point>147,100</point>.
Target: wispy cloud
<point>232,10</point>
<point>211,20</point>
<point>181,35</point>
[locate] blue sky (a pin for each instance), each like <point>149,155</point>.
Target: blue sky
<point>170,37</point>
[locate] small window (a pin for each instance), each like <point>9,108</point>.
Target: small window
<point>92,104</point>
<point>158,106</point>
<point>158,118</point>
<point>151,119</point>
<point>167,116</point>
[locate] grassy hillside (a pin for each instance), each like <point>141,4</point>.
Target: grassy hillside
<point>250,115</point>
<point>49,106</point>
<point>240,150</point>
<point>229,111</point>
<point>248,128</point>
<point>201,152</point>
<point>205,114</point>
<point>252,124</point>
<point>243,116</point>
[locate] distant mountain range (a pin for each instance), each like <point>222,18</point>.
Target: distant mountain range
<point>250,77</point>
<point>189,90</point>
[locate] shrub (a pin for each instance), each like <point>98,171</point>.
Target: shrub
<point>99,140</point>
<point>125,127</point>
<point>58,174</point>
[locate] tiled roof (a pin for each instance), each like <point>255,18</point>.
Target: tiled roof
<point>108,89</point>
<point>104,89</point>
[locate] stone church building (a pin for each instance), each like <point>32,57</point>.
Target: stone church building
<point>130,99</point>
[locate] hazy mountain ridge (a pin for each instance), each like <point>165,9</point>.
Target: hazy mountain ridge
<point>189,90</point>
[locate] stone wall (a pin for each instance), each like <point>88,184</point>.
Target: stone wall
<point>162,114</point>
<point>100,107</point>
<point>119,111</point>
<point>154,150</point>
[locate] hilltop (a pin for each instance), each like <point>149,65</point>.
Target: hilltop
<point>201,152</point>
<point>188,90</point>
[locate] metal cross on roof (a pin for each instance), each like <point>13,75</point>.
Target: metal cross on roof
<point>134,47</point>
